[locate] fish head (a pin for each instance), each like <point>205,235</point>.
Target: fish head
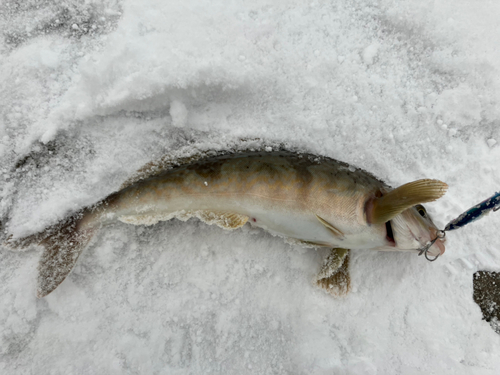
<point>414,229</point>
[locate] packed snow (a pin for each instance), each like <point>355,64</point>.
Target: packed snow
<point>91,91</point>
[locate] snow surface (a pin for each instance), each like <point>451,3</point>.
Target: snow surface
<point>91,91</point>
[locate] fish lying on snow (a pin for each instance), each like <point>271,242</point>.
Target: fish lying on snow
<point>315,201</point>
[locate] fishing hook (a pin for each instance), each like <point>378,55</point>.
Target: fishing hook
<point>425,249</point>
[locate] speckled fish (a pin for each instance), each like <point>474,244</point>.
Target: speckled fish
<point>311,200</point>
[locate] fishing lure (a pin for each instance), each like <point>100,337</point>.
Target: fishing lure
<point>472,214</point>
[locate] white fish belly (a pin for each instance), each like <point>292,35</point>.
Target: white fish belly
<point>282,222</point>
<point>279,220</point>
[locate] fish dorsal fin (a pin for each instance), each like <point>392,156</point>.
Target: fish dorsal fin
<point>225,220</point>
<point>336,232</point>
<point>381,210</point>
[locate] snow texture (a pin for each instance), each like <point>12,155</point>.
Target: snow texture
<point>91,91</point>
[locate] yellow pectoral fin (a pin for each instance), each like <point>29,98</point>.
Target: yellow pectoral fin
<point>337,232</point>
<point>381,210</point>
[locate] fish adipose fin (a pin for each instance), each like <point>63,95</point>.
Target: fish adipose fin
<point>336,232</point>
<point>334,275</point>
<point>225,220</point>
<point>63,245</point>
<point>381,210</point>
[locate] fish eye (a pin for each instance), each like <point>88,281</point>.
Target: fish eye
<point>421,210</point>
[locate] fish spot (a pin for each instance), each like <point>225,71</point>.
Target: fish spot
<point>254,219</point>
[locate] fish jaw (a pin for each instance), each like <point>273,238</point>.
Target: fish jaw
<point>437,247</point>
<point>414,232</point>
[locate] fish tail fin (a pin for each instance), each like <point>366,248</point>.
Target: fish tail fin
<point>24,243</point>
<point>63,245</point>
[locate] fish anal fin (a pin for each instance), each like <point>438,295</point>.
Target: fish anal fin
<point>225,220</point>
<point>336,232</point>
<point>334,276</point>
<point>381,210</point>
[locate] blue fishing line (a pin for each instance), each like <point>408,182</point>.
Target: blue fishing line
<point>475,213</point>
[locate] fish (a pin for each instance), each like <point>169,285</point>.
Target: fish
<point>310,200</point>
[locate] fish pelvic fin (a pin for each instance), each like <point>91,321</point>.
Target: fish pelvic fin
<point>63,243</point>
<point>335,231</point>
<point>381,210</point>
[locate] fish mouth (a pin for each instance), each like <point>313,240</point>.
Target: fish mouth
<point>440,235</point>
<point>437,247</point>
<point>440,244</point>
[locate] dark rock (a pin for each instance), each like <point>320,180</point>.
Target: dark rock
<point>487,296</point>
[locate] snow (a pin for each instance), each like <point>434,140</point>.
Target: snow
<point>491,142</point>
<point>178,113</point>
<point>92,92</point>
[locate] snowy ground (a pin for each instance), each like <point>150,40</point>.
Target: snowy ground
<point>89,93</point>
